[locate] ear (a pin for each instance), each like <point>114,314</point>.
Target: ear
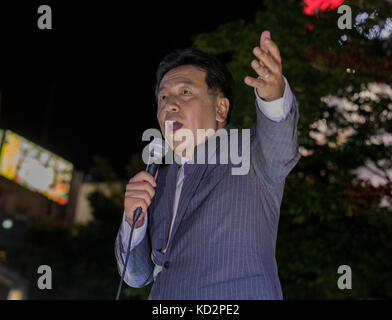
<point>222,109</point>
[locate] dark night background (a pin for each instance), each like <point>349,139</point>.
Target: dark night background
<point>86,86</point>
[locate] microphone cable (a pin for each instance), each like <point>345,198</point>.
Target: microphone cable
<point>136,215</point>
<point>157,150</point>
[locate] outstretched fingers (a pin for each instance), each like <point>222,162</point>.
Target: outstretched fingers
<point>267,60</point>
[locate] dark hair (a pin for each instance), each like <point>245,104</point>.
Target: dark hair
<point>218,77</point>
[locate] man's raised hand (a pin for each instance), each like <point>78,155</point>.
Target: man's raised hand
<point>268,66</point>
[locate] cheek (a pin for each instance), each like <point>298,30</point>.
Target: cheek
<point>199,114</point>
<point>159,112</point>
<point>161,126</point>
<point>207,116</point>
<point>160,117</point>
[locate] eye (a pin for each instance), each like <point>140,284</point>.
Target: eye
<point>185,91</point>
<point>162,97</point>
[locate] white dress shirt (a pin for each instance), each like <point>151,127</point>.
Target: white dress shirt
<point>276,110</point>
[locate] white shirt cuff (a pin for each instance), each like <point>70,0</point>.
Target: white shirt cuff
<point>276,110</point>
<point>138,234</point>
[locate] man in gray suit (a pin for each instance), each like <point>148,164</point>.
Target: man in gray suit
<point>209,233</point>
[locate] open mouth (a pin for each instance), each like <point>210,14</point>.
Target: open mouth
<point>177,125</point>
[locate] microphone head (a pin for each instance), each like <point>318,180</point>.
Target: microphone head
<point>157,150</point>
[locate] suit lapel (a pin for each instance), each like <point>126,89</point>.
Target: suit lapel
<point>195,174</point>
<point>191,183</point>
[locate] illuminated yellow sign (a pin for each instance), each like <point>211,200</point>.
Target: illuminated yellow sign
<point>35,168</point>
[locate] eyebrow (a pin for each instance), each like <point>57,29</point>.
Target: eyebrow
<point>182,82</point>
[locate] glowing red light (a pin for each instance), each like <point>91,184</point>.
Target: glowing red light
<point>312,6</point>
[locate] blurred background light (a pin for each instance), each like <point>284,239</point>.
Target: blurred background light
<point>15,294</point>
<point>7,224</point>
<point>314,6</point>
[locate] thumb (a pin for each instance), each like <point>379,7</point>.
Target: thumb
<point>140,221</point>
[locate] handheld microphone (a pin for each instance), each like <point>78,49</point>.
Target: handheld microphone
<point>157,151</point>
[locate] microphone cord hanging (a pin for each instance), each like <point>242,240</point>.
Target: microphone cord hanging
<point>136,215</point>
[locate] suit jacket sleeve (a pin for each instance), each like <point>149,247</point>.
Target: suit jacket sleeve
<point>277,144</point>
<point>140,267</point>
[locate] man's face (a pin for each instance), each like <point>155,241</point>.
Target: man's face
<point>184,97</point>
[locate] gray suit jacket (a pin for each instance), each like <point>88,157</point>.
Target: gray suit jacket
<point>224,235</point>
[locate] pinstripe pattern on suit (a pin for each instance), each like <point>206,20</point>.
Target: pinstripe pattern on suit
<point>224,236</point>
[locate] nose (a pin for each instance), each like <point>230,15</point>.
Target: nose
<point>171,105</point>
